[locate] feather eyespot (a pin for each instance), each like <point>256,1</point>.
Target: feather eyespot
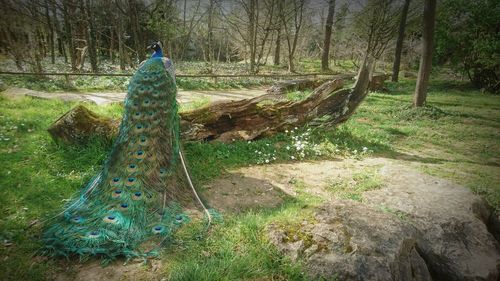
<point>117,193</point>
<point>115,182</point>
<point>158,229</point>
<point>93,234</point>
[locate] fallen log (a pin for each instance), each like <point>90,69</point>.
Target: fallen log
<point>236,120</point>
<point>79,125</point>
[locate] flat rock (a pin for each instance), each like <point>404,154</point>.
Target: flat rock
<point>456,241</point>
<point>352,241</point>
<point>417,227</point>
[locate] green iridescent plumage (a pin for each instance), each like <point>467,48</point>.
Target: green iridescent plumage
<point>127,209</point>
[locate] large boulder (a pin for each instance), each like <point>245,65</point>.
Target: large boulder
<point>456,242</point>
<point>351,241</point>
<point>417,227</point>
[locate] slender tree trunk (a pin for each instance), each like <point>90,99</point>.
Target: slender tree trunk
<point>50,35</point>
<point>136,29</point>
<point>111,45</point>
<point>251,33</point>
<point>68,15</point>
<point>399,44</point>
<point>426,58</point>
<point>277,49</point>
<point>91,36</point>
<point>328,34</point>
<point>57,27</point>
<point>121,51</point>
<point>209,56</point>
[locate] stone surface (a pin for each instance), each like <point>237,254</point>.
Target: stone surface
<point>456,242</point>
<point>417,227</point>
<point>351,241</point>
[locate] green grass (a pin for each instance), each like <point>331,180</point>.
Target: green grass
<point>455,137</point>
<point>353,187</point>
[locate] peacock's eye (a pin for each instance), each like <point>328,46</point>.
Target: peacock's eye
<point>138,194</point>
<point>116,179</point>
<point>131,179</point>
<point>178,217</point>
<point>124,205</point>
<point>158,228</point>
<point>131,166</point>
<point>118,191</point>
<point>111,217</point>
<point>140,152</point>
<point>139,126</point>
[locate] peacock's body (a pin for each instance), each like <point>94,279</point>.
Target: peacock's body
<point>127,209</point>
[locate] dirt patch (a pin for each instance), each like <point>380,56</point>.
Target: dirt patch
<point>267,186</point>
<point>104,98</point>
<point>116,271</point>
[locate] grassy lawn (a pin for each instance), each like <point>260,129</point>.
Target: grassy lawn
<point>457,137</point>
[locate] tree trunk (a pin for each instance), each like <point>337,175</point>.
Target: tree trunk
<point>253,118</point>
<point>277,48</point>
<point>209,56</point>
<point>50,35</point>
<point>399,43</point>
<point>68,15</point>
<point>121,51</point>
<point>424,71</point>
<point>328,34</point>
<point>90,35</point>
<point>252,33</point>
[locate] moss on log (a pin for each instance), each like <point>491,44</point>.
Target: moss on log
<point>79,125</point>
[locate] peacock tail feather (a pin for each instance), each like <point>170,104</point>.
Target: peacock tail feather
<point>133,205</point>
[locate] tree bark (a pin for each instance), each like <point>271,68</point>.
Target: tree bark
<point>252,118</point>
<point>277,49</point>
<point>50,35</point>
<point>90,34</point>
<point>328,34</point>
<point>68,25</point>
<point>399,43</point>
<point>420,95</point>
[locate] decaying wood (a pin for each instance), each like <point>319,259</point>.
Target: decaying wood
<point>236,120</point>
<point>79,125</point>
<point>282,87</point>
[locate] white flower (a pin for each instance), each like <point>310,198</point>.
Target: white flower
<point>287,147</point>
<point>286,131</point>
<point>267,160</point>
<point>365,149</point>
<point>249,142</point>
<point>267,144</point>
<point>292,157</point>
<point>260,152</point>
<point>296,128</point>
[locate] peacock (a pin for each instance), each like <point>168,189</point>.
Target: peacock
<point>136,202</point>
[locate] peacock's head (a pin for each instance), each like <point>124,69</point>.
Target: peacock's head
<point>157,49</point>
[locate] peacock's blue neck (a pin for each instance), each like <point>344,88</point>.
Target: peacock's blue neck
<point>157,54</point>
